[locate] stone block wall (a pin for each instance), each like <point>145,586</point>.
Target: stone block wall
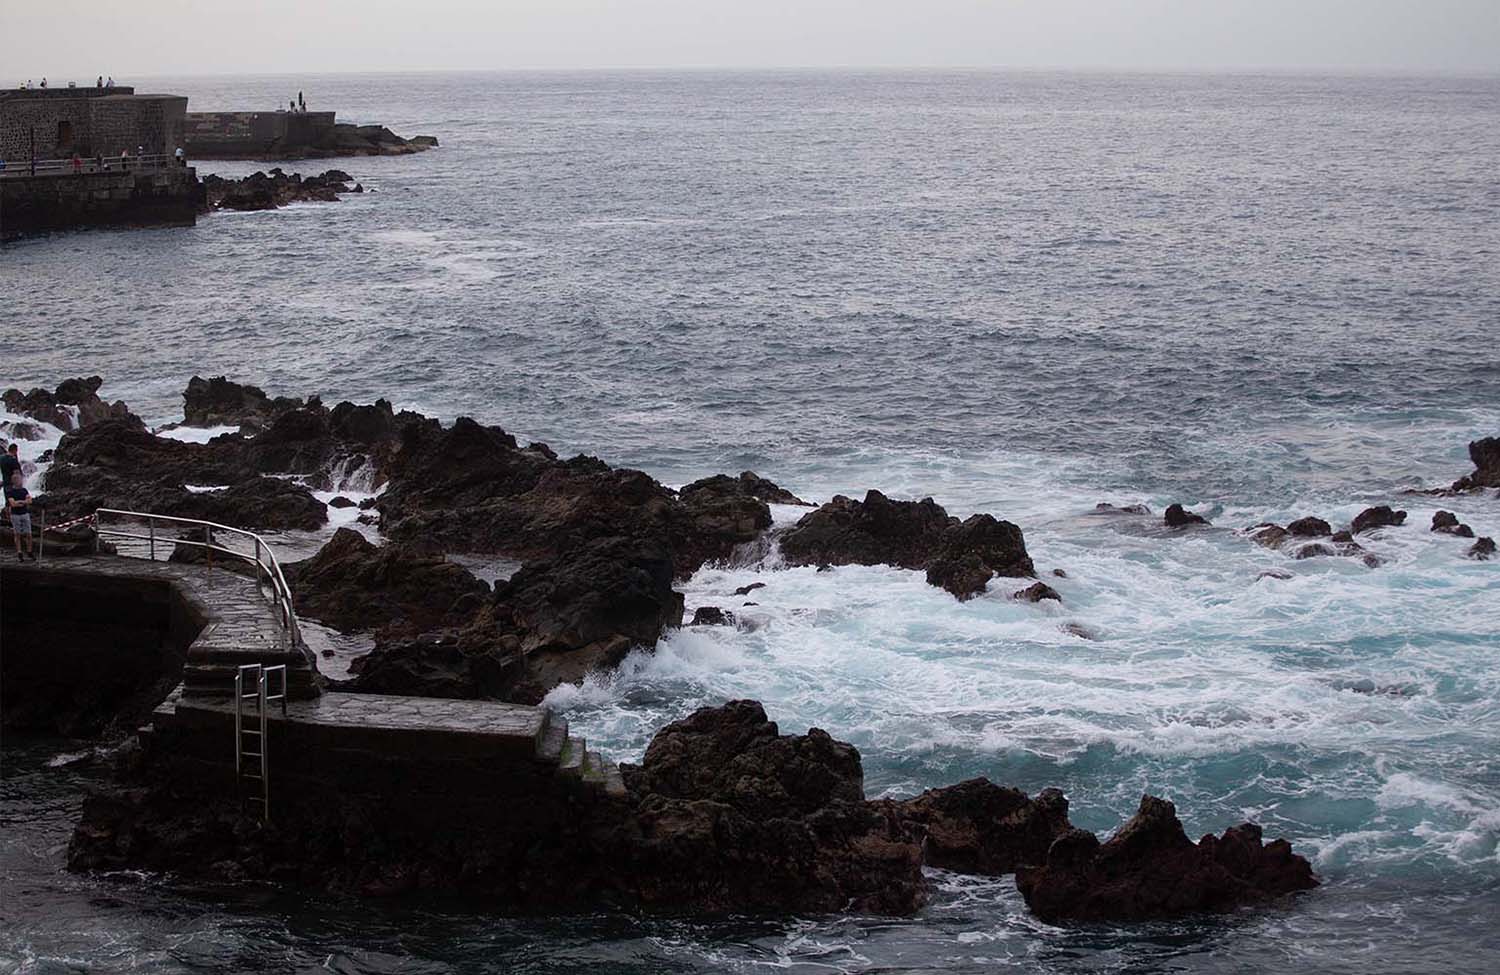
<point>89,125</point>
<point>170,196</point>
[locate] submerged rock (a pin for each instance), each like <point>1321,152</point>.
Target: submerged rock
<point>1179,517</point>
<point>711,616</point>
<point>1309,527</point>
<point>1038,591</point>
<point>1150,869</point>
<point>1484,549</point>
<point>1105,508</point>
<point>1380,516</point>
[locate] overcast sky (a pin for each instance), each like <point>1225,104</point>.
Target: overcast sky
<point>80,38</point>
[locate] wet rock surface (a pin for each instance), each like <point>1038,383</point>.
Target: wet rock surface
<point>73,405</point>
<point>1380,516</point>
<point>959,556</point>
<point>218,402</point>
<point>1150,869</point>
<point>1485,453</point>
<point>1447,523</point>
<point>1177,516</point>
<point>1483,549</point>
<point>268,191</point>
<point>978,827</point>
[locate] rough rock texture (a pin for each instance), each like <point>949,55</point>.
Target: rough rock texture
<point>1268,535</point>
<point>267,191</point>
<point>1485,454</point>
<point>711,616</point>
<point>1150,869</point>
<point>1179,517</point>
<point>1105,508</point>
<point>732,815</point>
<point>1309,527</point>
<point>218,402</point>
<point>960,557</point>
<point>552,622</point>
<point>1038,591</point>
<point>1447,523</point>
<point>73,397</point>
<point>978,827</point>
<point>1483,550</point>
<point>749,484</point>
<point>1380,516</point>
<point>351,584</point>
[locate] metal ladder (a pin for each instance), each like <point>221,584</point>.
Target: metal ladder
<point>252,766</point>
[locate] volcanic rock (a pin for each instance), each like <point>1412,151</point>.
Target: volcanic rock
<point>1381,516</point>
<point>267,191</point>
<point>1105,508</point>
<point>750,484</point>
<point>218,402</point>
<point>747,590</point>
<point>732,815</point>
<point>1485,454</point>
<point>1038,591</point>
<point>1150,869</point>
<point>1179,517</point>
<point>1309,527</point>
<point>959,556</point>
<point>352,585</point>
<point>711,616</point>
<point>1484,549</point>
<point>80,394</point>
<point>1268,535</point>
<point>977,827</point>
<point>1447,523</point>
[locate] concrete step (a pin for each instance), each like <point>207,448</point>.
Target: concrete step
<point>570,763</point>
<point>593,769</point>
<point>614,782</point>
<point>554,737</point>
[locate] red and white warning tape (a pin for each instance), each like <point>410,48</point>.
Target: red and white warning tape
<point>85,520</point>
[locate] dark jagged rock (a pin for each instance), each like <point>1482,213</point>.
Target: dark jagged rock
<point>1483,550</point>
<point>267,191</point>
<point>1380,516</point>
<point>218,402</point>
<point>80,394</point>
<point>959,556</point>
<point>340,502</point>
<point>747,590</point>
<point>1313,551</point>
<point>1273,574</point>
<point>726,507</point>
<point>977,827</point>
<point>1150,869</point>
<point>1309,527</point>
<point>1447,523</point>
<point>1059,573</point>
<point>551,623</point>
<point>1080,631</point>
<point>711,616</point>
<point>351,585</point>
<point>1268,535</point>
<point>749,484</point>
<point>1485,453</point>
<point>1179,517</point>
<point>1038,591</point>
<point>732,815</point>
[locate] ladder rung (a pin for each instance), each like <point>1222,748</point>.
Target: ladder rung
<point>249,754</point>
<point>249,775</point>
<point>248,731</point>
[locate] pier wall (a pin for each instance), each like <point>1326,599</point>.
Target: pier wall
<point>162,196</point>
<point>230,135</point>
<point>57,123</point>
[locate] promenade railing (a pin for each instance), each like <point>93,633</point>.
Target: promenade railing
<point>146,163</point>
<point>184,532</point>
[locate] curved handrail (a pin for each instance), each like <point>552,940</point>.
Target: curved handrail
<point>281,593</point>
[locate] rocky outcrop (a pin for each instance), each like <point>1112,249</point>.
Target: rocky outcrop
<point>1038,591</point>
<point>1309,527</point>
<point>1483,549</point>
<point>1380,516</point>
<point>351,584</point>
<point>218,402</point>
<point>1485,453</point>
<point>1447,523</point>
<point>267,191</point>
<point>960,557</point>
<point>1179,517</point>
<point>711,616</point>
<point>73,398</point>
<point>748,484</point>
<point>553,622</point>
<point>978,827</point>
<point>732,815</point>
<point>1150,869</point>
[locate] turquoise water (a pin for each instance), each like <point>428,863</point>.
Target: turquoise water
<point>1021,294</point>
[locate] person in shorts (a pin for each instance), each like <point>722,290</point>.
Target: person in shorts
<point>18,503</point>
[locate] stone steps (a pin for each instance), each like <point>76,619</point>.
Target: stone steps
<point>574,762</point>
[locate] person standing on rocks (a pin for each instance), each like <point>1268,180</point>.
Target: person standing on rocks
<point>18,503</point>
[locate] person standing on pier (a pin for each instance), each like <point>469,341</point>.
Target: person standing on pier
<point>18,503</point>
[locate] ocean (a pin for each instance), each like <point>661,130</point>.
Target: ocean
<point>1019,293</point>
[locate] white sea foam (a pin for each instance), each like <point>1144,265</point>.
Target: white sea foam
<point>195,434</point>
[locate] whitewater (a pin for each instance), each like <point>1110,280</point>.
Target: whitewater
<point>993,290</point>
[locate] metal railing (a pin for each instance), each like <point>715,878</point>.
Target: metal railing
<point>262,557</point>
<point>145,163</point>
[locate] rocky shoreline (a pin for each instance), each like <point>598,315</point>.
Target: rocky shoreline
<point>724,813</point>
<point>268,191</point>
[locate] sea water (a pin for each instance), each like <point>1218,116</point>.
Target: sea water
<point>1023,294</point>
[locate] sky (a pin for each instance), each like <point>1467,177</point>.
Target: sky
<point>78,39</point>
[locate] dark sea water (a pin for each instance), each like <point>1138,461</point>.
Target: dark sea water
<point>1264,297</point>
